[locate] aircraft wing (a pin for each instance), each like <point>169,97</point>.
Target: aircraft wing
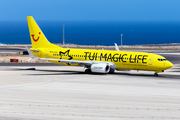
<point>169,53</point>
<point>82,63</point>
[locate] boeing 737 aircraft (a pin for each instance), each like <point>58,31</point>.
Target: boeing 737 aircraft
<point>99,61</point>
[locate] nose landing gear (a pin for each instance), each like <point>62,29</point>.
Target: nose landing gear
<point>156,72</point>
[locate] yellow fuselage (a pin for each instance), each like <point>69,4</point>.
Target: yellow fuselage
<point>122,59</point>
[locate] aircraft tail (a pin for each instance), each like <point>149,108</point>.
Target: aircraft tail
<point>38,39</point>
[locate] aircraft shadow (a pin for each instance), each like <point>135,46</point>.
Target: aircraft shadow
<point>71,72</point>
<point>160,76</point>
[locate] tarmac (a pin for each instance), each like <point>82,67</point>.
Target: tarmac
<point>67,93</point>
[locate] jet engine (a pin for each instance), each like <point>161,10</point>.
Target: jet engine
<point>100,68</point>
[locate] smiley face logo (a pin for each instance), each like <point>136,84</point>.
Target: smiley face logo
<point>35,40</point>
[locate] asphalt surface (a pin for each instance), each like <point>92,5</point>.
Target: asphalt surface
<point>67,93</point>
<point>29,64</point>
<point>5,50</point>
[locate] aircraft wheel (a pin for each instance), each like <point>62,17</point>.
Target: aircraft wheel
<point>111,71</point>
<point>88,71</point>
<point>155,74</point>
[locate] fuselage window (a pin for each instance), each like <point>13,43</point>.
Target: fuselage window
<point>162,59</point>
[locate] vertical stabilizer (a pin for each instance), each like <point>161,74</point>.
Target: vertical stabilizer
<point>38,39</point>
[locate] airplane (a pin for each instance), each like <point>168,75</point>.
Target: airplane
<point>97,61</point>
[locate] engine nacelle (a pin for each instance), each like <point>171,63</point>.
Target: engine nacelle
<point>100,68</point>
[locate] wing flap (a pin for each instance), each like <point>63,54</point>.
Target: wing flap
<point>82,63</point>
<point>69,61</point>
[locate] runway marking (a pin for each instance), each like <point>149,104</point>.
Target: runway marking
<point>64,114</point>
<point>41,83</point>
<point>90,107</point>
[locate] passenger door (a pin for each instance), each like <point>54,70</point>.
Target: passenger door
<point>47,54</point>
<point>150,60</point>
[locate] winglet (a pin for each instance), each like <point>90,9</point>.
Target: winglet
<point>116,47</point>
<point>30,54</point>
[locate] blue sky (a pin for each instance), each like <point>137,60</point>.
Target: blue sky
<point>90,9</point>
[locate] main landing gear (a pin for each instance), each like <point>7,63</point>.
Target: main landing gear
<point>88,71</point>
<point>155,74</point>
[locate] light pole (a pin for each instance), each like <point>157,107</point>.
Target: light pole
<point>63,36</point>
<point>121,39</point>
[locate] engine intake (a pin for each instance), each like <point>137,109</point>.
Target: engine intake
<point>100,68</point>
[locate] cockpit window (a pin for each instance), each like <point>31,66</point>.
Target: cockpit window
<point>162,59</point>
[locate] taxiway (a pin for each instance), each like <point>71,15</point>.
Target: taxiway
<point>67,93</point>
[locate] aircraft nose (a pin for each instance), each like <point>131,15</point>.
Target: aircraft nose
<point>169,64</point>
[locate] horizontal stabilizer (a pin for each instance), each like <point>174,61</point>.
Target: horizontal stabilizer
<point>30,54</point>
<point>35,50</point>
